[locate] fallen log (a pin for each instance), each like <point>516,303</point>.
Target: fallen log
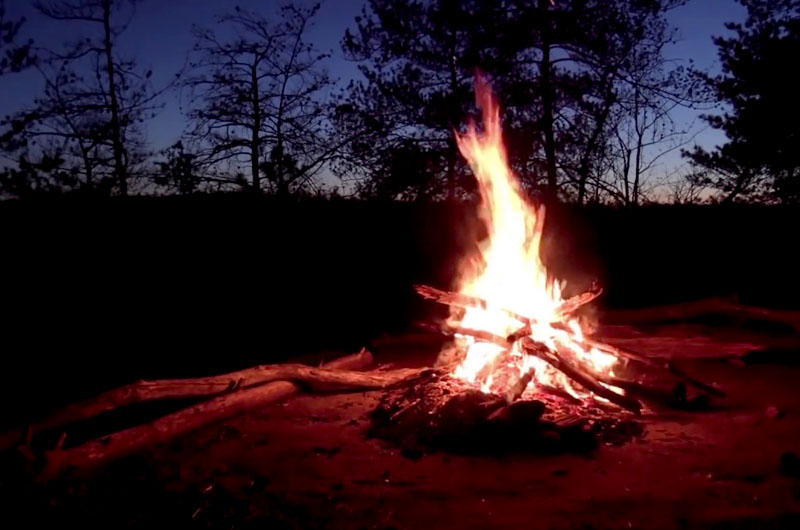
<point>337,375</point>
<point>143,391</point>
<point>709,306</point>
<point>588,382</point>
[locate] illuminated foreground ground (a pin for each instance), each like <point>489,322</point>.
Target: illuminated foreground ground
<point>307,464</point>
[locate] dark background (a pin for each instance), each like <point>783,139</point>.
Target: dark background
<point>100,293</point>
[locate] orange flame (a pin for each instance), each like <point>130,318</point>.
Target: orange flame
<point>509,273</point>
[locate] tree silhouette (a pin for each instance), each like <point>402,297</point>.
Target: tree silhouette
<point>14,56</point>
<point>760,160</point>
<point>561,69</point>
<point>258,98</point>
<point>88,120</point>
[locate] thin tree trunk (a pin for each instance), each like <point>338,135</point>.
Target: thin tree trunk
<point>583,171</point>
<point>547,106</point>
<point>116,129</point>
<point>454,117</point>
<point>255,141</point>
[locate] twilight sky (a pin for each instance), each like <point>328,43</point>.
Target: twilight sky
<point>160,36</point>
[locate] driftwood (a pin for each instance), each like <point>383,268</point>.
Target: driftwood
<point>587,381</point>
<point>163,389</point>
<point>337,375</point>
<point>709,306</point>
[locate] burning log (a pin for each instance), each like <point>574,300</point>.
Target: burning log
<point>577,375</point>
<point>570,305</point>
<point>338,375</point>
<point>452,331</point>
<point>462,300</point>
<point>493,366</point>
<point>519,386</point>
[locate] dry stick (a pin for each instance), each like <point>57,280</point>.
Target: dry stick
<point>142,391</point>
<point>708,306</point>
<point>649,361</point>
<point>122,443</point>
<point>585,380</point>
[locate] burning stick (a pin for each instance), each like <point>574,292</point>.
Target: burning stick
<point>462,300</point>
<point>452,331</point>
<point>571,305</point>
<point>519,386</point>
<point>585,380</point>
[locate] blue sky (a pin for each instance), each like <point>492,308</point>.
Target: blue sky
<point>160,36</point>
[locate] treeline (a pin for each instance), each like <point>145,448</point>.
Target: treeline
<point>587,91</point>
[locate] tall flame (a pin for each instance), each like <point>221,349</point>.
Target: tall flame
<point>510,275</point>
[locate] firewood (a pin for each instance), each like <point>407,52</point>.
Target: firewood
<point>462,300</point>
<point>162,389</point>
<point>336,375</point>
<point>493,365</point>
<point>518,388</point>
<point>570,305</point>
<point>587,381</point>
<point>708,306</point>
<point>655,362</point>
<point>452,331</point>
<point>142,391</point>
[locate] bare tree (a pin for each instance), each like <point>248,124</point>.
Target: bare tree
<point>87,123</point>
<point>258,98</point>
<point>117,82</point>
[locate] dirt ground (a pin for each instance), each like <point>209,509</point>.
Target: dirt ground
<point>307,463</point>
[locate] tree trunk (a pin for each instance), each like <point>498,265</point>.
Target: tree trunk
<point>591,145</point>
<point>255,141</point>
<point>547,106</point>
<point>454,119</point>
<point>116,129</point>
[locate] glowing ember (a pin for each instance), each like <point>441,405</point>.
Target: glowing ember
<point>510,277</point>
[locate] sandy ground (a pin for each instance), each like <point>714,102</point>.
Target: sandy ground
<point>307,463</point>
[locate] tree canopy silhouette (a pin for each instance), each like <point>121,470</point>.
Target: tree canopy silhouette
<point>760,160</point>
<point>85,130</point>
<point>563,70</point>
<point>259,98</point>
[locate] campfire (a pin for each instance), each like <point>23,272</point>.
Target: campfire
<point>516,335</point>
<point>522,364</point>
